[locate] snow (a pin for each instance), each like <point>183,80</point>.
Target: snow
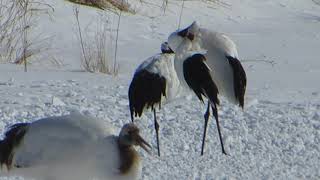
<point>277,136</point>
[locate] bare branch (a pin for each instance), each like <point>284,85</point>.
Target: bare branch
<point>181,11</point>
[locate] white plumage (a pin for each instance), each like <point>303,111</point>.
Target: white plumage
<point>71,147</point>
<point>154,82</point>
<point>207,56</point>
<point>221,55</point>
<point>163,65</point>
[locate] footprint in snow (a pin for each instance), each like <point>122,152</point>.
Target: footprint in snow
<point>317,2</point>
<point>310,16</point>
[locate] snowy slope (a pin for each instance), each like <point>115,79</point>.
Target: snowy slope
<point>277,136</point>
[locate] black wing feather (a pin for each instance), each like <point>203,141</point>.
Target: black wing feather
<point>146,90</point>
<point>239,79</point>
<point>198,77</point>
<point>13,138</point>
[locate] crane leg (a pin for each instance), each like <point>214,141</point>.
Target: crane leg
<point>215,114</point>
<point>206,119</point>
<point>132,118</point>
<point>156,127</point>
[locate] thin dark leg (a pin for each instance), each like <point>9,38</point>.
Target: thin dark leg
<point>156,127</point>
<point>132,118</point>
<point>215,113</point>
<point>206,119</point>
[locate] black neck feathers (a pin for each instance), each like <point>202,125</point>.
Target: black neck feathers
<point>12,140</point>
<point>128,156</point>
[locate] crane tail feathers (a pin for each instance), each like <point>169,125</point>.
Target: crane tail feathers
<point>239,79</point>
<point>13,138</point>
<point>146,90</point>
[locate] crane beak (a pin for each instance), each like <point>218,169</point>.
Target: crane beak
<point>143,144</point>
<point>170,50</point>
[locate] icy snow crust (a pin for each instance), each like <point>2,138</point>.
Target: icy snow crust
<point>277,136</point>
<point>267,140</point>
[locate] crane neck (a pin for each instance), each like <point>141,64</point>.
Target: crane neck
<point>128,157</point>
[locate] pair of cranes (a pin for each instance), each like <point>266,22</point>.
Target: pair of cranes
<point>81,147</point>
<point>193,58</point>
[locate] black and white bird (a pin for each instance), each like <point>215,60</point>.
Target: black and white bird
<point>218,61</point>
<point>154,81</point>
<point>71,147</point>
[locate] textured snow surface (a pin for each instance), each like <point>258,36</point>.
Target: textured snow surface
<point>276,136</point>
<point>266,140</point>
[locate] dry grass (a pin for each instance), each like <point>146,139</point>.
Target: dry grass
<point>17,19</point>
<point>10,17</point>
<point>94,48</point>
<point>111,5</point>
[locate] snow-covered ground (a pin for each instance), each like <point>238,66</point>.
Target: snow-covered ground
<point>277,136</point>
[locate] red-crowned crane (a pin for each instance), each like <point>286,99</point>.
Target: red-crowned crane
<point>154,81</point>
<point>218,61</point>
<point>71,147</point>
